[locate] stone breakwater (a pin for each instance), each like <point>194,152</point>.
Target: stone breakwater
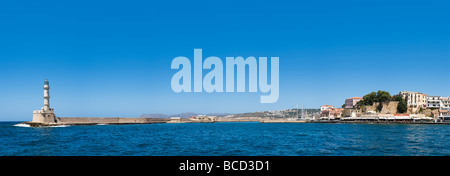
<point>97,121</point>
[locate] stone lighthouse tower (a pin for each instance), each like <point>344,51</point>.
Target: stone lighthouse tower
<point>46,114</point>
<point>46,96</point>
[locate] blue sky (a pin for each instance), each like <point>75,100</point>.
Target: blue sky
<point>112,58</point>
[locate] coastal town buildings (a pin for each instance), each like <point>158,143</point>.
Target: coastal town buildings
<point>203,118</point>
<point>331,111</point>
<point>420,107</point>
<point>440,103</point>
<point>351,102</point>
<point>336,112</point>
<point>198,119</point>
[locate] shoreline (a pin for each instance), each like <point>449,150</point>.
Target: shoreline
<point>39,124</point>
<point>383,122</point>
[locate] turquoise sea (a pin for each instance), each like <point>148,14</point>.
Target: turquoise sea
<point>227,139</point>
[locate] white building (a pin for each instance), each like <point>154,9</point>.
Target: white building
<point>434,101</point>
<point>175,119</point>
<point>414,99</point>
<point>441,103</point>
<point>438,102</point>
<point>445,103</point>
<point>325,107</point>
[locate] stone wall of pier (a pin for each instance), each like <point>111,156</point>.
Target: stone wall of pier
<point>107,120</point>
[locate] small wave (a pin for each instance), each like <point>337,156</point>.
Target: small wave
<point>101,124</point>
<point>60,126</point>
<point>22,125</point>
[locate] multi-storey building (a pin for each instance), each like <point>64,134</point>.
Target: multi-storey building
<point>414,100</point>
<point>434,101</point>
<point>325,107</point>
<point>351,102</point>
<point>441,103</point>
<point>445,103</point>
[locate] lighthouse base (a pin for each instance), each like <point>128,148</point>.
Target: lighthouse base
<point>44,116</point>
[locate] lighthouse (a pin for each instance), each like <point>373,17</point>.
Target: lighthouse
<point>46,96</point>
<point>46,114</point>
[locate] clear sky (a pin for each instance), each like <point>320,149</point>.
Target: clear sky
<point>112,58</point>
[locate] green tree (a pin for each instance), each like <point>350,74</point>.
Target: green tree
<point>343,106</point>
<point>397,98</point>
<point>383,96</point>
<point>369,99</point>
<point>360,103</point>
<point>402,107</point>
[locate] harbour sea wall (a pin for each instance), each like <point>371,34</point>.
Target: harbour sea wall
<point>68,120</point>
<point>99,120</point>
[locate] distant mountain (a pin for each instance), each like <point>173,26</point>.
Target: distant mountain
<point>155,115</point>
<point>182,115</point>
<point>280,113</point>
<point>218,114</point>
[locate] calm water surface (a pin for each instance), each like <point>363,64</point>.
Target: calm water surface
<point>227,139</point>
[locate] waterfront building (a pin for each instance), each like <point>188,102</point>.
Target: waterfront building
<point>444,108</point>
<point>434,102</point>
<point>414,100</point>
<point>325,107</point>
<point>445,103</point>
<point>444,115</point>
<point>175,119</point>
<point>332,113</point>
<point>351,102</point>
<point>437,102</point>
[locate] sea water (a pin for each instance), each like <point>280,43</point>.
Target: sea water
<point>226,139</point>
